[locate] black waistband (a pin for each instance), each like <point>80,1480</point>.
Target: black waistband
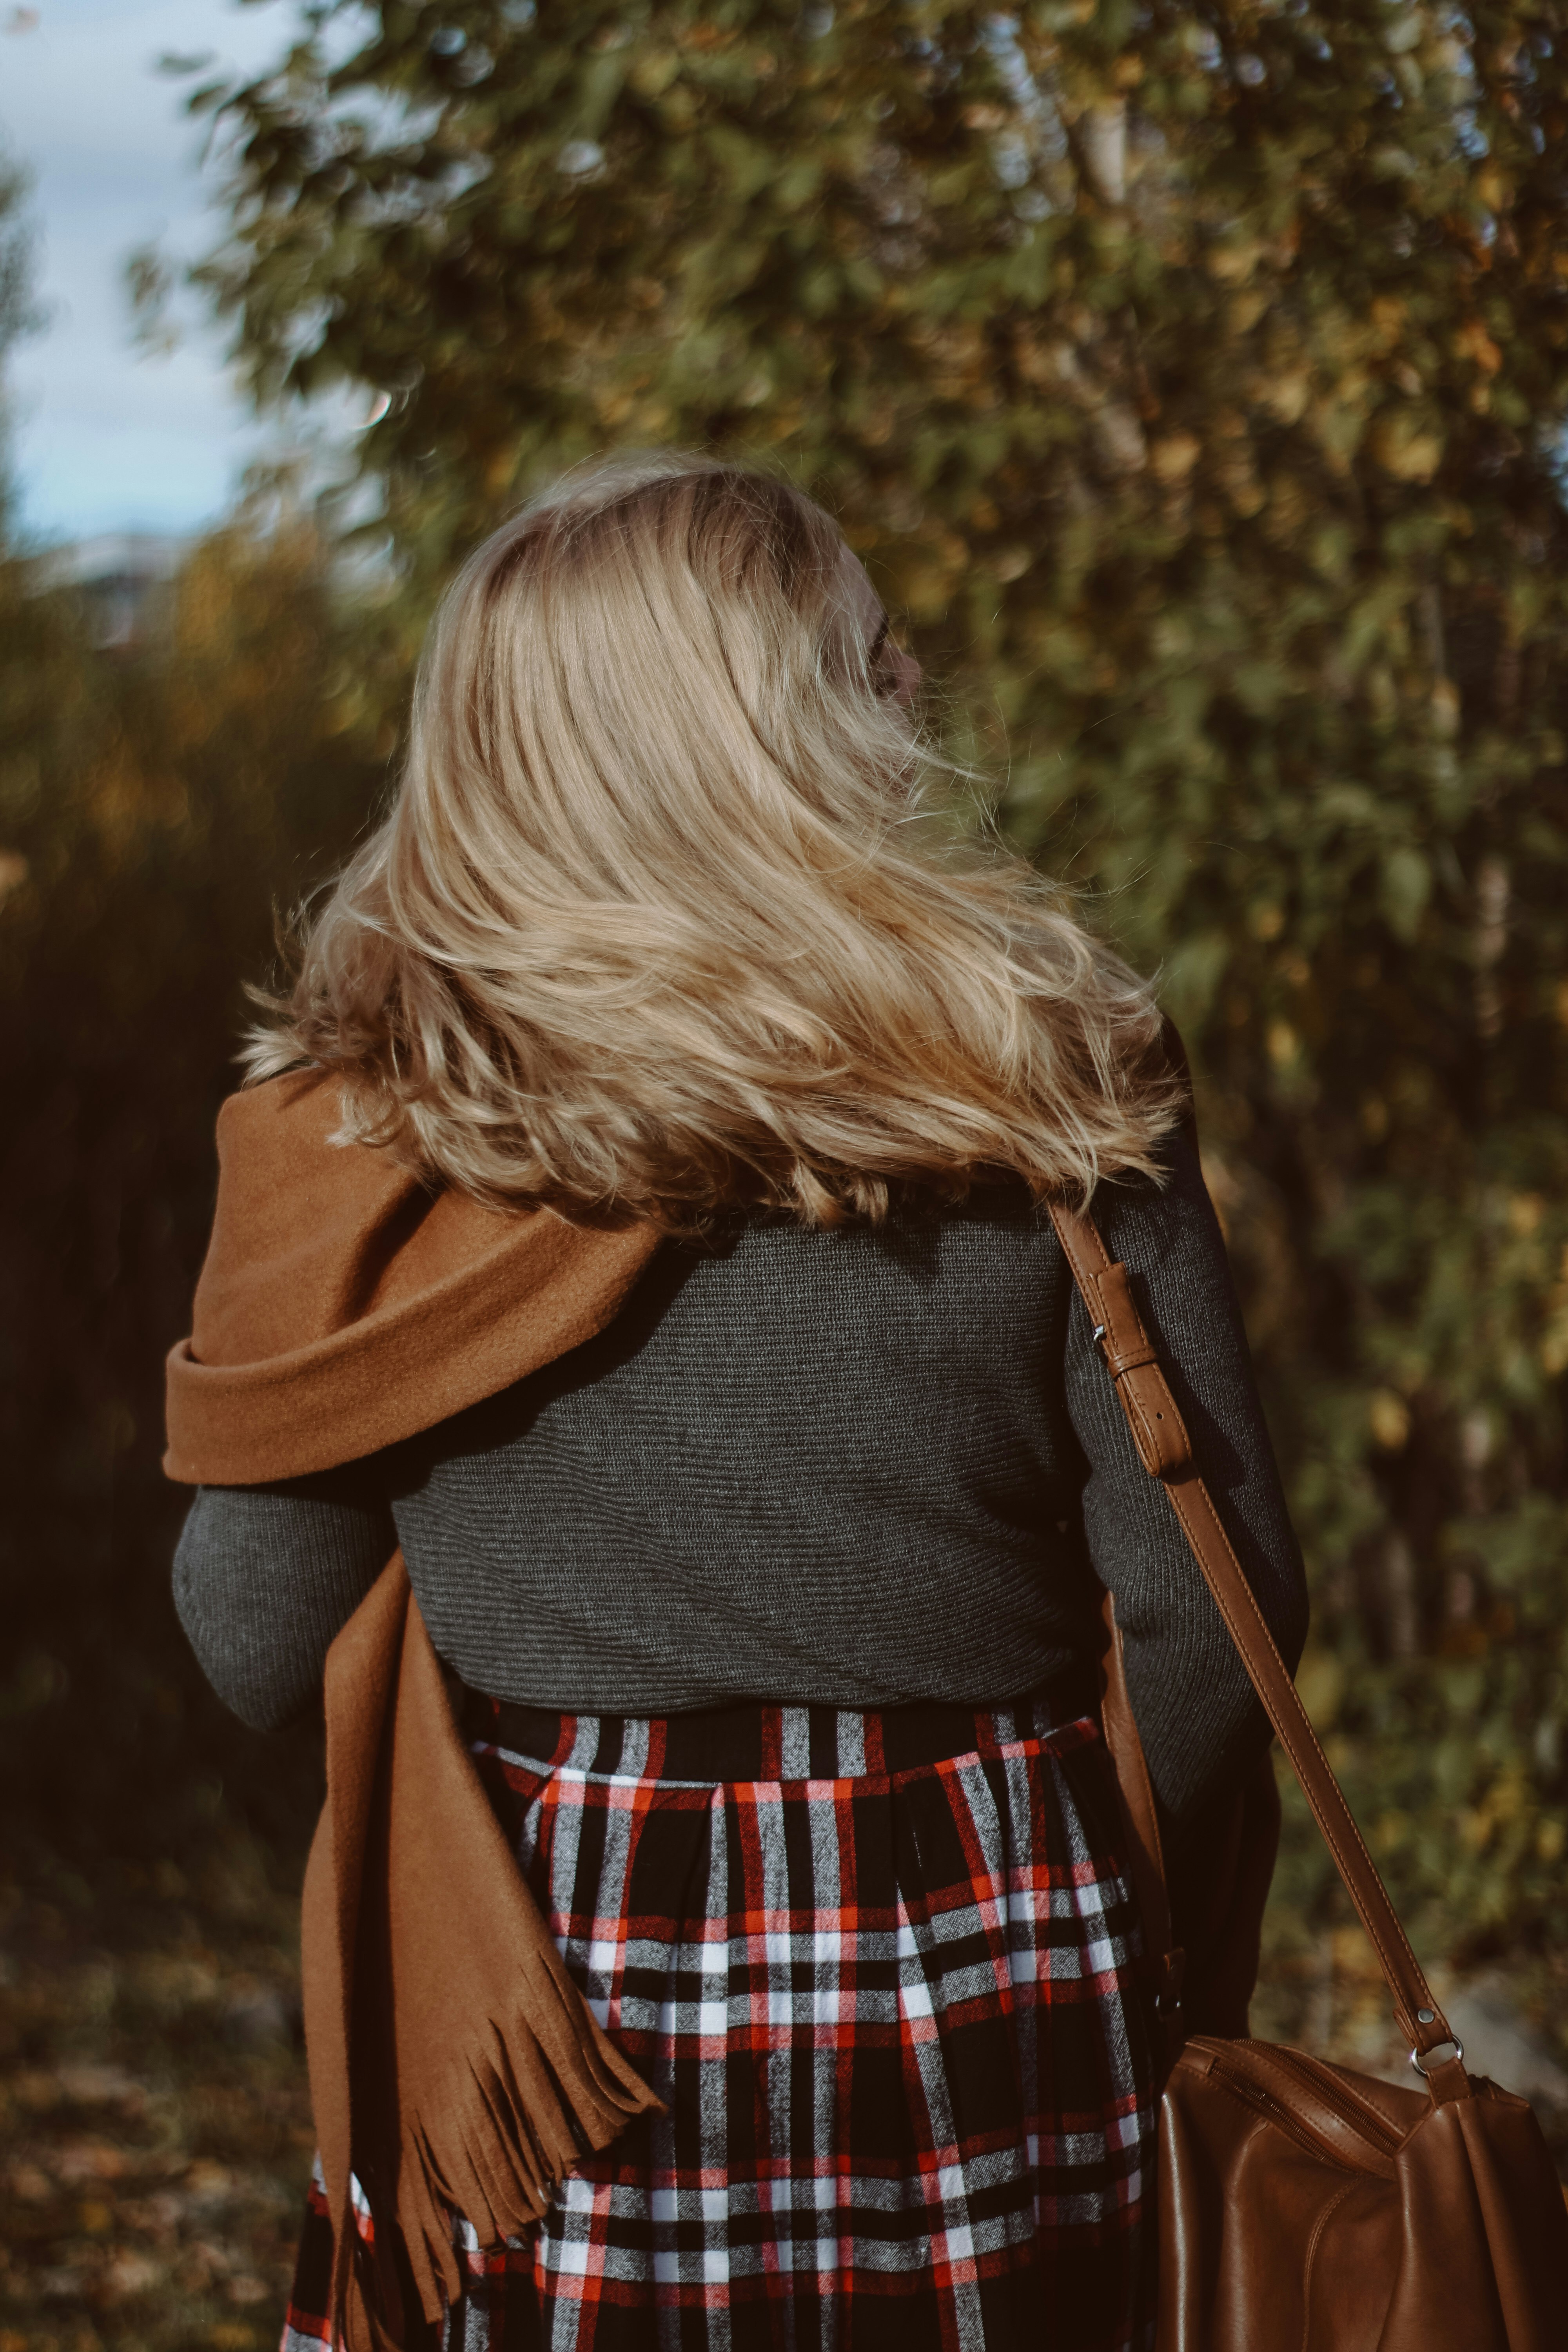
<point>752,1740</point>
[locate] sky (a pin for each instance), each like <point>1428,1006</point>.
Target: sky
<point>103,437</point>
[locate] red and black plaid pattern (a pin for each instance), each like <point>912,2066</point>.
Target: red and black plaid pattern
<point>880,1968</point>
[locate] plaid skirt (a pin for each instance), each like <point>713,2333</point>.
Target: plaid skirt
<point>881,1969</point>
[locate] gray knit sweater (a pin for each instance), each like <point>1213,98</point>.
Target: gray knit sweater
<point>847,1468</point>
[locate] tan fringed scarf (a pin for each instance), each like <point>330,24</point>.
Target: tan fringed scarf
<point>465,2072</point>
<point>453,2062</point>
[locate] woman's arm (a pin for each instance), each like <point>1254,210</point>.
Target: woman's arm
<point>1197,1713</point>
<point>265,1577</point>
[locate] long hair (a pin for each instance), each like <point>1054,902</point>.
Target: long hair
<point>667,916</point>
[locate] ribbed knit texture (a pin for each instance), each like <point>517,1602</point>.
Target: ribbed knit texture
<point>846,1469</point>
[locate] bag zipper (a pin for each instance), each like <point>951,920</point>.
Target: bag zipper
<point>1364,2120</point>
<point>1274,2109</point>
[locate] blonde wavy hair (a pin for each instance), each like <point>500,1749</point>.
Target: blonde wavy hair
<point>669,913</point>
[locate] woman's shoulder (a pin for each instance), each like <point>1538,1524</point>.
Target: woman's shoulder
<point>344,1304</point>
<point>280,1154</point>
<point>294,1208</point>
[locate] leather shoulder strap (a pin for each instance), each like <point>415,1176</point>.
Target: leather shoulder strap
<point>1165,1452</point>
<point>1164,1960</point>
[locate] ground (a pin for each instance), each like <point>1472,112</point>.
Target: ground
<point>154,2112</point>
<point>155,2122</point>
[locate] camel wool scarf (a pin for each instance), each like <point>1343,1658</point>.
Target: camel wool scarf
<point>343,1305</point>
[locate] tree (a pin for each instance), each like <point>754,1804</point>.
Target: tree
<point>154,804</point>
<point>1194,377</point>
<point>18,316</point>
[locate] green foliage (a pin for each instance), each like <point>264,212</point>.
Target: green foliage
<point>153,804</point>
<point>1193,378</point>
<point>17,314</point>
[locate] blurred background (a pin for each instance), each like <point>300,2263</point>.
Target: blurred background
<point>1193,380</point>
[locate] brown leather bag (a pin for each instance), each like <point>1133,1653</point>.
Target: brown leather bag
<point>1302,2206</point>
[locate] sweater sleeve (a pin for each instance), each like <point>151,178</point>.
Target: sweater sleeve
<point>266,1577</point>
<point>1197,1713</point>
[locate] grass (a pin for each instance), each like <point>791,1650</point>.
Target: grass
<point>153,2109</point>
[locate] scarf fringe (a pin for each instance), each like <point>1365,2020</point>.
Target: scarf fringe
<point>456,2066</point>
<point>491,2140</point>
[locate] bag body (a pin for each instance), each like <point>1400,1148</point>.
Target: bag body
<point>1303,2204</point>
<point>1300,2204</point>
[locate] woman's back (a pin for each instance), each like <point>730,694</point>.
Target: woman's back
<point>847,1468</point>
<point>776,1600</point>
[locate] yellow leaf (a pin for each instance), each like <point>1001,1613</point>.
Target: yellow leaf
<point>1233,262</point>
<point>1473,342</point>
<point>1389,1417</point>
<point>1171,459</point>
<point>1410,451</point>
<point>1286,396</point>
